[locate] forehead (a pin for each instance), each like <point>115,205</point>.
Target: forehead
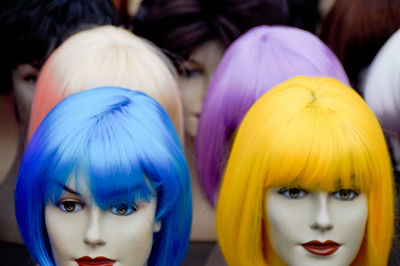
<point>208,53</point>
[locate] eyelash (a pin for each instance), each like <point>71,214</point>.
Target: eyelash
<point>127,208</point>
<point>301,193</point>
<point>286,193</point>
<point>190,73</point>
<point>62,205</point>
<point>337,194</point>
<point>121,209</point>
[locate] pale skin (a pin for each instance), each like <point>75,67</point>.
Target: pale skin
<point>77,227</point>
<point>297,216</point>
<point>193,87</point>
<point>24,79</point>
<point>12,138</point>
<point>11,131</point>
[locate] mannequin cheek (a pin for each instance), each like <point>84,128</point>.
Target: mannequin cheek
<point>24,81</point>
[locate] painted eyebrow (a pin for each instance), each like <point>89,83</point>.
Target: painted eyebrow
<point>117,192</point>
<point>64,187</point>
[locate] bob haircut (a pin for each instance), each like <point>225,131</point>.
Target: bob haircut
<point>381,88</point>
<point>316,132</point>
<point>180,26</point>
<point>106,56</point>
<point>32,29</point>
<point>355,31</point>
<point>118,140</point>
<point>259,60</point>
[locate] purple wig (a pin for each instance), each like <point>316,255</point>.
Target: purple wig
<point>262,58</point>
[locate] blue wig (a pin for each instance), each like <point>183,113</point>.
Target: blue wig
<point>119,141</point>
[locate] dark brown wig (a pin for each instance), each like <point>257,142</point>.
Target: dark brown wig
<point>304,14</point>
<point>355,30</point>
<point>179,26</point>
<point>32,29</point>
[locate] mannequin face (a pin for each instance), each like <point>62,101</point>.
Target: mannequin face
<point>24,81</point>
<point>79,230</point>
<point>295,217</point>
<point>193,83</point>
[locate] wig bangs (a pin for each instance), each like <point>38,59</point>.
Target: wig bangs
<point>318,144</point>
<point>110,161</point>
<point>313,154</point>
<point>109,171</point>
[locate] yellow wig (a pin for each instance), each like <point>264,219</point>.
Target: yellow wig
<point>316,132</point>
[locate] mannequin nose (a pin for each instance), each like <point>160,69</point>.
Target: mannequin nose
<point>321,219</point>
<point>93,235</point>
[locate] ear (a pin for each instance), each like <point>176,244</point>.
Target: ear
<point>157,226</point>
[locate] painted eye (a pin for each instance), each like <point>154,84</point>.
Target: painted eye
<point>70,206</point>
<point>293,193</point>
<point>31,78</point>
<point>345,194</point>
<point>190,73</point>
<point>190,69</point>
<point>123,209</point>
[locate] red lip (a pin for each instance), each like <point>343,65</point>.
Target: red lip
<point>98,261</point>
<point>321,249</point>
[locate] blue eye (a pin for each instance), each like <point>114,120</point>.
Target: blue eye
<point>345,194</point>
<point>293,193</point>
<point>123,209</point>
<point>70,206</point>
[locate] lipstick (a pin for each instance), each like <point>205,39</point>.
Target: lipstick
<point>321,249</point>
<point>98,261</point>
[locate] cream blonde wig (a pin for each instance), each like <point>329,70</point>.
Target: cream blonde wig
<point>106,56</point>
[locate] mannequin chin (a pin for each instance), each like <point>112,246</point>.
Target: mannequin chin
<point>297,219</point>
<point>79,229</point>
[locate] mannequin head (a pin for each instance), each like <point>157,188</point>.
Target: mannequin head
<point>195,34</point>
<point>106,55</point>
<point>356,30</point>
<point>316,135</point>
<point>256,62</point>
<point>93,156</point>
<point>34,28</point>
<point>382,94</point>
